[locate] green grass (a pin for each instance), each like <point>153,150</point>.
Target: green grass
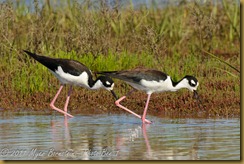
<point>197,39</point>
<point>32,77</point>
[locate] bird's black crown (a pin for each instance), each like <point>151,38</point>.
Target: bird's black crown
<point>107,81</point>
<point>192,80</point>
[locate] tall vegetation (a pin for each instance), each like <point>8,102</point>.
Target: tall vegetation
<point>199,38</point>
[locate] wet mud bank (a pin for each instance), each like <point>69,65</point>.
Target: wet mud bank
<point>171,104</point>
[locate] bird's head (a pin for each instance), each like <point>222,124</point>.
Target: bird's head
<point>108,84</point>
<point>191,83</point>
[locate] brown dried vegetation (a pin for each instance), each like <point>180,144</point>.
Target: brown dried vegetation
<point>169,39</point>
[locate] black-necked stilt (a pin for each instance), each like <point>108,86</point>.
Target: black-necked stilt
<point>151,81</point>
<point>73,73</point>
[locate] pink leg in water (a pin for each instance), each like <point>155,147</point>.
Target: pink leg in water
<point>67,100</point>
<point>126,109</point>
<point>145,110</point>
<point>53,101</point>
<point>144,131</point>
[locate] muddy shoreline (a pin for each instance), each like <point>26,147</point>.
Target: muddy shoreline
<point>180,104</point>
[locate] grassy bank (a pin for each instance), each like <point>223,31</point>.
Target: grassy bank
<point>174,39</point>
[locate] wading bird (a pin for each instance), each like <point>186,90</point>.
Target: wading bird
<point>73,73</point>
<point>150,81</point>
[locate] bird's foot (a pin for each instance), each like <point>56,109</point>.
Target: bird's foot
<point>145,121</point>
<point>61,111</point>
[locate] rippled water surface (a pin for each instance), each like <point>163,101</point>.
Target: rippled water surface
<point>118,137</point>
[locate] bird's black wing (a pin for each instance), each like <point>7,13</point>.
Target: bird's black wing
<point>69,66</point>
<point>137,75</point>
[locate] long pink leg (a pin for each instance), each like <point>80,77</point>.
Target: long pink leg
<point>67,100</point>
<point>126,109</point>
<point>145,110</point>
<point>53,101</point>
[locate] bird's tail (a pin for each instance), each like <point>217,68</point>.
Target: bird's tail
<point>33,55</point>
<point>30,53</point>
<point>46,61</point>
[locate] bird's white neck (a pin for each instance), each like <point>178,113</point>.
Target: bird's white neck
<point>97,85</point>
<point>179,85</point>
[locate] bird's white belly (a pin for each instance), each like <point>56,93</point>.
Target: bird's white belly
<point>66,78</point>
<point>153,86</point>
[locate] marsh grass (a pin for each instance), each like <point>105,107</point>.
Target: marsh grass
<point>175,39</point>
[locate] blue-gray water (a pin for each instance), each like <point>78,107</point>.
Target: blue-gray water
<point>118,137</point>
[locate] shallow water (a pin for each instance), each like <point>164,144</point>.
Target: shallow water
<point>117,137</point>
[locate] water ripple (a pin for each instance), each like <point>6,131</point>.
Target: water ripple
<point>120,137</point>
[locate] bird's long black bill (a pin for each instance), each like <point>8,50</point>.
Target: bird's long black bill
<point>196,96</point>
<point>115,96</point>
